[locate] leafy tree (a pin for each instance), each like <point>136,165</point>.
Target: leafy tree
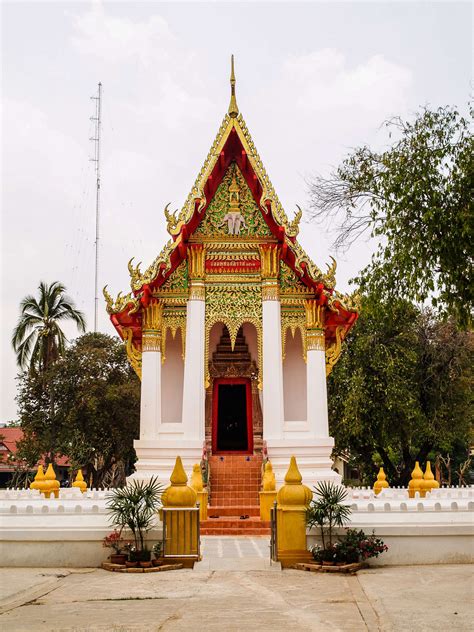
<point>38,339</point>
<point>401,391</point>
<point>96,412</point>
<point>416,198</point>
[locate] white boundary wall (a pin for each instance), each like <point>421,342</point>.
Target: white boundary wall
<point>64,532</point>
<point>438,529</point>
<point>68,531</point>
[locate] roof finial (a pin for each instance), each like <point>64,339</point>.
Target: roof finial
<point>233,107</point>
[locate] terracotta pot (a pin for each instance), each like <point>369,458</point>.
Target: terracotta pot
<point>131,564</point>
<point>328,563</point>
<point>118,558</point>
<point>145,564</point>
<point>156,562</point>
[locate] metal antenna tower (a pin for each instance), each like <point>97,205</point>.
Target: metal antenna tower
<point>96,140</point>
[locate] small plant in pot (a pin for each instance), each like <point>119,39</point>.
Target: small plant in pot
<point>115,542</point>
<point>134,507</point>
<point>328,511</point>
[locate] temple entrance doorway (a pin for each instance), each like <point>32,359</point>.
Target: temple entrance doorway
<point>232,428</point>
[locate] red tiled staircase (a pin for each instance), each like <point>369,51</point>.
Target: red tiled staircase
<point>235,484</point>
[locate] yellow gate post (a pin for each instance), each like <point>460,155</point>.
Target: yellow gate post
<point>198,486</point>
<point>268,493</point>
<point>293,500</point>
<point>381,482</point>
<point>181,526</point>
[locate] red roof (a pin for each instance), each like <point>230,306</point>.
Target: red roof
<point>10,436</point>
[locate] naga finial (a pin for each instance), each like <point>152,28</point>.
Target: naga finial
<point>293,227</point>
<point>108,298</point>
<point>134,271</point>
<point>330,276</point>
<point>233,107</point>
<point>171,219</point>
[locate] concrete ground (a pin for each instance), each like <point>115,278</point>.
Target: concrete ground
<point>411,598</point>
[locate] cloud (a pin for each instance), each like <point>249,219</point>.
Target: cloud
<point>324,80</point>
<point>117,39</point>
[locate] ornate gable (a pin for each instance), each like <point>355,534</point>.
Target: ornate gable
<point>233,210</point>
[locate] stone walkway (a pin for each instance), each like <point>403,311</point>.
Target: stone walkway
<point>235,554</point>
<point>391,599</point>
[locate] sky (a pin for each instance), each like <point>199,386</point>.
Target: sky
<point>314,80</point>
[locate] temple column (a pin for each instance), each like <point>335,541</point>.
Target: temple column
<point>193,388</point>
<point>273,410</point>
<point>150,403</point>
<point>317,401</point>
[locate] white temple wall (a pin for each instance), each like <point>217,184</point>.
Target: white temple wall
<point>172,378</point>
<point>294,378</point>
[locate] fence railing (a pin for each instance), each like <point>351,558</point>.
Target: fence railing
<point>181,532</point>
<point>273,533</point>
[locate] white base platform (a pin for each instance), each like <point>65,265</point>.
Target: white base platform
<point>313,458</point>
<point>157,458</point>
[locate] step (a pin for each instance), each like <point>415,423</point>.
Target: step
<point>235,522</point>
<point>236,510</point>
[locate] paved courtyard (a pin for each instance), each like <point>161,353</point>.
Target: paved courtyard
<point>413,598</point>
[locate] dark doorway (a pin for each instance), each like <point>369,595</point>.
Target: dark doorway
<point>232,429</point>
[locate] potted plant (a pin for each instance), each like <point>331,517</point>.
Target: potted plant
<point>115,541</point>
<point>134,507</point>
<point>328,511</point>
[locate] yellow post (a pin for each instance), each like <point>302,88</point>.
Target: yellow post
<point>416,479</point>
<point>38,483</point>
<point>293,500</point>
<point>181,526</point>
<point>381,481</point>
<point>268,493</point>
<point>428,483</point>
<point>52,483</point>
<point>80,482</point>
<point>198,486</point>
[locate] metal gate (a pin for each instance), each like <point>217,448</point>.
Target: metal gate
<point>181,532</point>
<point>273,534</point>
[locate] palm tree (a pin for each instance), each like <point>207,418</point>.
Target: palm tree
<point>38,339</point>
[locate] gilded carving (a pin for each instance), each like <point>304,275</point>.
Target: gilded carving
<point>334,350</point>
<point>233,305</point>
<point>172,321</point>
<point>293,320</point>
<point>315,340</point>
<point>152,317</point>
<point>270,291</point>
<point>114,307</point>
<point>314,315</point>
<point>178,281</point>
<point>233,211</point>
<point>196,254</point>
<point>270,261</point>
<point>197,292</point>
<point>134,354</point>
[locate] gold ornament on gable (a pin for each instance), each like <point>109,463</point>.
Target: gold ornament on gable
<point>233,305</point>
<point>134,354</point>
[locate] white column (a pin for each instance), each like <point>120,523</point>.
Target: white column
<point>193,388</point>
<point>273,409</point>
<point>316,371</point>
<point>317,399</point>
<point>150,403</point>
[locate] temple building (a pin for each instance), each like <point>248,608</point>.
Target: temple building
<point>233,329</point>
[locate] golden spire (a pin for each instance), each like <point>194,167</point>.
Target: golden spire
<point>233,107</point>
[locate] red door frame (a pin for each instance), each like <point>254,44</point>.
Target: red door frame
<point>215,410</point>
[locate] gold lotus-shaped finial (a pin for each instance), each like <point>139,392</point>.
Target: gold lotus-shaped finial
<point>233,107</point>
